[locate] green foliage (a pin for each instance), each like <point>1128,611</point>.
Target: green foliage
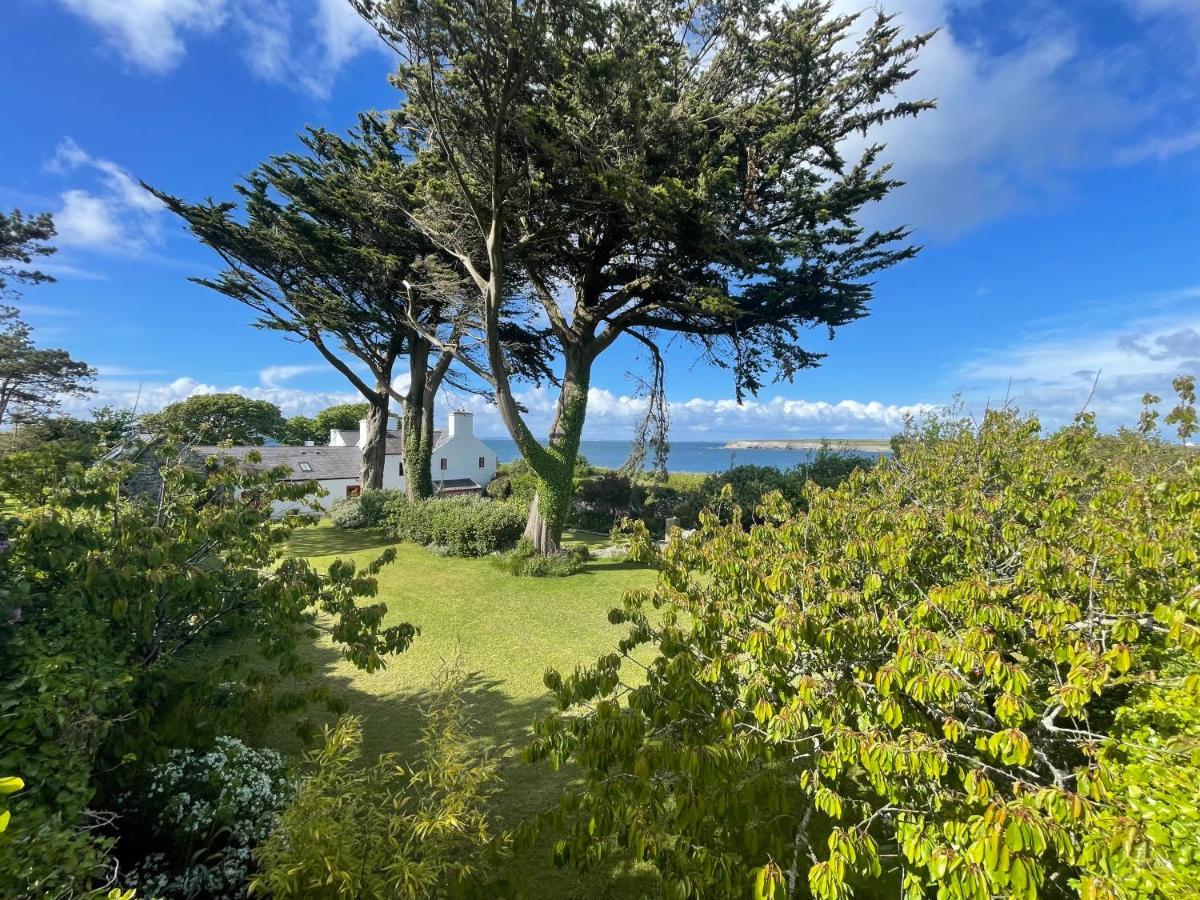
<point>1143,841</point>
<point>110,425</point>
<point>9,784</point>
<point>31,476</point>
<point>385,831</point>
<point>938,678</point>
<point>368,510</point>
<point>709,167</point>
<point>459,526</point>
<point>216,419</point>
<point>749,484</point>
<point>33,381</point>
<point>23,239</point>
<point>107,598</point>
<point>192,826</point>
<point>524,559</point>
<point>600,502</point>
<point>299,429</point>
<point>1183,416</point>
<point>514,481</point>
<point>343,417</point>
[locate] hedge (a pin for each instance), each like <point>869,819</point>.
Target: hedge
<point>460,526</point>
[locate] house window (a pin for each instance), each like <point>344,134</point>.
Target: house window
<point>353,490</point>
<point>305,467</point>
<point>442,462</point>
<point>401,469</point>
<point>482,462</point>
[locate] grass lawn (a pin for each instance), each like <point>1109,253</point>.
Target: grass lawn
<point>507,630</point>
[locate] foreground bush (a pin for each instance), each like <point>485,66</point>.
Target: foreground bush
<point>458,526</point>
<point>968,672</point>
<point>367,510</point>
<point>524,559</point>
<point>384,831</point>
<point>743,488</point>
<point>199,817</point>
<point>108,597</point>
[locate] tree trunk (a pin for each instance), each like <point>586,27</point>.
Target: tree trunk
<point>556,470</point>
<point>418,438</point>
<point>374,452</point>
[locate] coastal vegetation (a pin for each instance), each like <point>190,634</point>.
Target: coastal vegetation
<point>967,668</point>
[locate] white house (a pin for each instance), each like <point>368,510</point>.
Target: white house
<point>461,463</point>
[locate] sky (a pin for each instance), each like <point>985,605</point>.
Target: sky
<point>1055,192</point>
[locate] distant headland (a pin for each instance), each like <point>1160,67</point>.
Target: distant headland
<point>865,445</point>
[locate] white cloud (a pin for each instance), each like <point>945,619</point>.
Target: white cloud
<point>610,416</point>
<point>150,33</point>
<point>150,396</point>
<point>1160,148</point>
<point>87,221</point>
<point>1016,115</point>
<point>300,44</point>
<point>613,416</point>
<point>304,49</point>
<point>1053,374</point>
<point>117,214</point>
<point>275,376</point>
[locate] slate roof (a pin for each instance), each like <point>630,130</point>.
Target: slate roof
<point>395,441</point>
<point>455,485</point>
<point>326,463</point>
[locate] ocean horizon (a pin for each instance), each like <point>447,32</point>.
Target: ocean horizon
<point>684,456</point>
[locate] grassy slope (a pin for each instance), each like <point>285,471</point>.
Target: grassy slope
<point>507,631</point>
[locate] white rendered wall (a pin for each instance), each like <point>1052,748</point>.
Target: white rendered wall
<point>462,451</point>
<point>312,504</point>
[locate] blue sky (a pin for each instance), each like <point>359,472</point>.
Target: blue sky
<point>1056,192</point>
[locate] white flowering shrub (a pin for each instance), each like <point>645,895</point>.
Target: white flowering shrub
<point>201,815</point>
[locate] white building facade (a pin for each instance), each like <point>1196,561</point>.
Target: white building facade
<point>462,464</point>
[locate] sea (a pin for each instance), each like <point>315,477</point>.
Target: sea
<point>684,456</point>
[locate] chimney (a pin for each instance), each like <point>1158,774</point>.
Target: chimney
<point>362,433</point>
<point>461,422</point>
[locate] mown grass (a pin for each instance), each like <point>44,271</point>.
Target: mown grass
<point>507,631</point>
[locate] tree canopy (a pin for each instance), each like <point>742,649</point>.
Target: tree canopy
<point>33,381</point>
<point>327,253</point>
<point>23,239</point>
<point>343,417</point>
<point>217,418</point>
<point>971,671</point>
<point>647,170</point>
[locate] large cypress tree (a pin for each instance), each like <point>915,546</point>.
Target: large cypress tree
<point>648,168</point>
<point>325,251</point>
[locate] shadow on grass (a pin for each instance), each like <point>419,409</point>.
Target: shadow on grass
<point>321,540</point>
<point>501,726</point>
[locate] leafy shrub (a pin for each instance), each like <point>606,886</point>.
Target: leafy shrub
<point>198,818</point>
<point>969,672</point>
<point>463,526</point>
<point>9,784</point>
<point>514,481</point>
<point>383,831</point>
<point>368,510</point>
<point>603,500</point>
<point>749,484</point>
<point>524,559</point>
<point>105,599</point>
